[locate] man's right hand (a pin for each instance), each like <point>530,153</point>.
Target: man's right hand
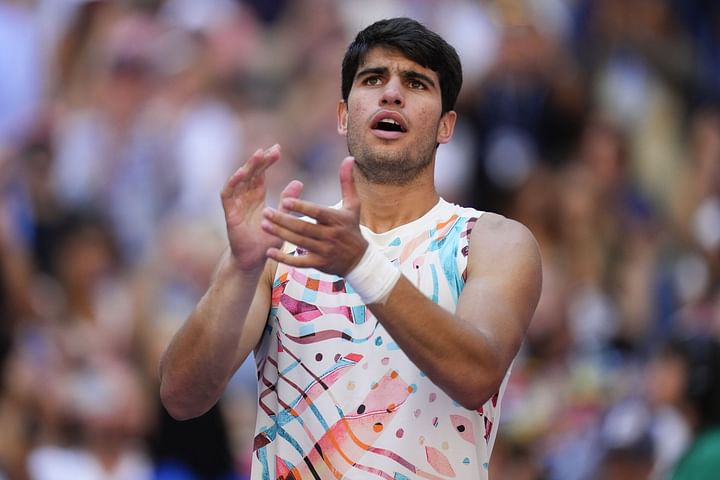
<point>243,199</point>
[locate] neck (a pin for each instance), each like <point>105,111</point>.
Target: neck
<point>385,207</point>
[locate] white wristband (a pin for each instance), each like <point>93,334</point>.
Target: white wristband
<point>373,277</point>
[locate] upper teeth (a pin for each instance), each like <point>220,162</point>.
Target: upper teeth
<point>389,120</point>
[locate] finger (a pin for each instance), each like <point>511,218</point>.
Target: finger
<point>322,215</point>
<point>350,198</point>
<point>292,191</point>
<point>300,261</point>
<point>288,235</point>
<point>239,175</point>
<point>296,225</point>
<point>256,165</point>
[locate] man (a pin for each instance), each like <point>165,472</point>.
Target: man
<point>383,330</point>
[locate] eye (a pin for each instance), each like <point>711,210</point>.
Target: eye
<point>416,85</point>
<point>372,81</point>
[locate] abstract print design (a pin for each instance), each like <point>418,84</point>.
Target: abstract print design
<point>338,399</point>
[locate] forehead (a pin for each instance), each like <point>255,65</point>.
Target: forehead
<point>394,61</point>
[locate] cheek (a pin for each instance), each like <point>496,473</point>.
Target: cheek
<point>357,102</point>
<point>357,111</point>
<point>429,116</point>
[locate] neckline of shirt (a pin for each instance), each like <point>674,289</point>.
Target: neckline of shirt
<point>384,238</point>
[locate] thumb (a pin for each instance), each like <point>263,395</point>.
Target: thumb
<point>350,198</point>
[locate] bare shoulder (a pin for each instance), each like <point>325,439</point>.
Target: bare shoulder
<point>492,228</point>
<point>500,241</point>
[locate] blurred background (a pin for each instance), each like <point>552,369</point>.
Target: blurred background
<point>594,122</point>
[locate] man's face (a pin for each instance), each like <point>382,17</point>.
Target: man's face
<point>393,118</point>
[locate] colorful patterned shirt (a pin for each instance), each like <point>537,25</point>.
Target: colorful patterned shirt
<point>339,399</point>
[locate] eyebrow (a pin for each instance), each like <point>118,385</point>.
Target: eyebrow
<point>405,74</point>
<point>413,75</point>
<point>372,71</point>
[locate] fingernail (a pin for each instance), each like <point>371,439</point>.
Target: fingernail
<point>288,203</point>
<point>267,212</point>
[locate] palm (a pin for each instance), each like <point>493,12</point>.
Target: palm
<point>243,201</point>
<point>247,240</point>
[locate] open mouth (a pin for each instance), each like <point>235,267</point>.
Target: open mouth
<point>389,125</point>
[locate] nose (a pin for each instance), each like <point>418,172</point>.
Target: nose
<point>392,94</point>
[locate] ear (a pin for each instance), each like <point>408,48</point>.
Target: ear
<point>342,116</point>
<point>446,126</point>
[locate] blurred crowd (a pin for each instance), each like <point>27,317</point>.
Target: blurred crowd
<point>594,122</point>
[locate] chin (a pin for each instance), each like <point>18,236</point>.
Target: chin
<point>391,168</point>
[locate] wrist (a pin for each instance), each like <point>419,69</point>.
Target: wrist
<point>231,267</point>
<point>373,277</point>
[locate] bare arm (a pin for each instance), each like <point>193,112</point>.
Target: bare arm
<point>229,319</point>
<point>216,338</point>
<point>466,353</point>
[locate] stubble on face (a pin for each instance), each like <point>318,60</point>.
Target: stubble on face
<point>386,166</point>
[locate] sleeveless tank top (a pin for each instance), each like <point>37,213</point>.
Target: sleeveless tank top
<point>337,397</point>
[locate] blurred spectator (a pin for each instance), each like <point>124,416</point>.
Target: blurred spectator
<point>15,306</point>
<point>628,449</point>
<point>686,380</point>
<point>170,285</point>
<point>700,19</point>
<point>528,109</point>
<point>105,154</point>
<point>22,81</point>
<point>76,368</point>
